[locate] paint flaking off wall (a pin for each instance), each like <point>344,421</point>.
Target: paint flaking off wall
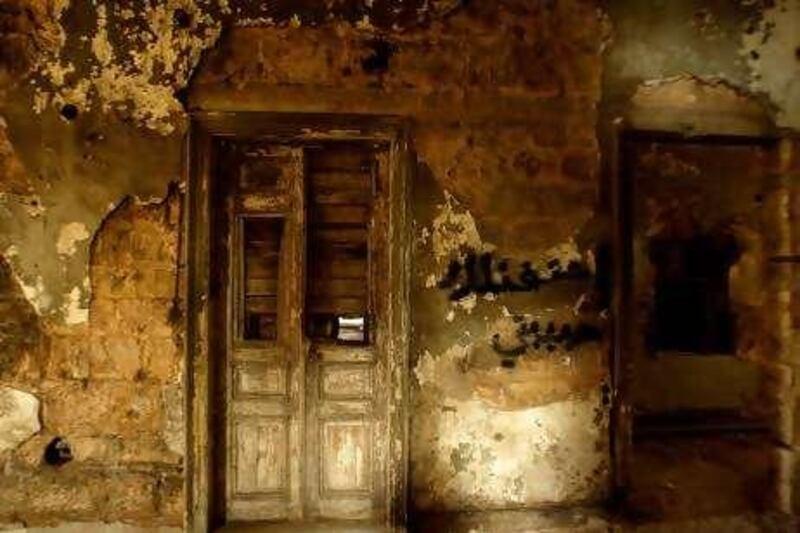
<point>454,231</point>
<point>69,236</point>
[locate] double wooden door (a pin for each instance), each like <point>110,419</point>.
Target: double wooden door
<point>300,257</point>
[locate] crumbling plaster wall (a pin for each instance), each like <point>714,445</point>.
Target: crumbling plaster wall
<point>502,95</point>
<point>748,45</point>
<point>89,233</point>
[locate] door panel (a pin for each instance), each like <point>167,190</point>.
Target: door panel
<point>346,382</point>
<point>263,397</point>
<point>348,278</point>
<point>344,475</point>
<point>260,455</point>
<point>346,463</point>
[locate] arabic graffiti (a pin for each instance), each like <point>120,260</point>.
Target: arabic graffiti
<point>533,335</point>
<point>482,274</point>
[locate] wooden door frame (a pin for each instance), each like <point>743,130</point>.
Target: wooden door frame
<point>206,128</point>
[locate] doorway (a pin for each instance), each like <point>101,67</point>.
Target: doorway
<point>697,225</point>
<point>297,344</point>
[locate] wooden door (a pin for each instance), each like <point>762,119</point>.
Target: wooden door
<point>263,386</point>
<point>346,309</point>
<point>306,305</point>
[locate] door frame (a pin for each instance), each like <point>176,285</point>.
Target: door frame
<point>202,510</point>
<point>622,190</point>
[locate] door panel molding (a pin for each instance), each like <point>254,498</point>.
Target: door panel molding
<point>276,395</point>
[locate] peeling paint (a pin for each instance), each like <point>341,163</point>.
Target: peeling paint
<point>19,417</point>
<point>553,460</point>
<point>454,231</point>
<point>69,235</point>
<point>36,294</point>
<point>431,281</point>
<point>75,310</point>
<point>768,51</point>
<point>467,303</point>
<point>138,70</point>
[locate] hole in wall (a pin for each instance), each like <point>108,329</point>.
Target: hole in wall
<point>57,452</point>
<point>181,18</point>
<point>69,112</point>
<point>381,52</point>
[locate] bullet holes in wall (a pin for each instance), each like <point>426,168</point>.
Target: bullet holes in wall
<point>69,112</point>
<point>57,452</point>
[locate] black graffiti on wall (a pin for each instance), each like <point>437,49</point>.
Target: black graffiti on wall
<point>483,273</point>
<point>533,335</point>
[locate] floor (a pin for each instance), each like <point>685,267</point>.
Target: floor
<point>307,527</point>
<point>556,521</point>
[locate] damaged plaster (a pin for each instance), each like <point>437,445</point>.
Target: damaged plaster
<point>138,69</point>
<point>69,235</point>
<point>749,48</point>
<point>474,413</point>
<point>508,458</point>
<point>769,49</point>
<point>503,98</point>
<point>453,231</point>
<point>19,417</point>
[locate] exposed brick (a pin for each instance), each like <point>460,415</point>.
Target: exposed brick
<point>163,358</point>
<point>101,407</point>
<point>108,282</point>
<point>124,356</point>
<point>139,316</point>
<point>69,357</point>
<point>156,283</point>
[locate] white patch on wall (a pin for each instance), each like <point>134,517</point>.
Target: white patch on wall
<point>70,234</point>
<point>467,303</point>
<point>19,417</point>
<point>425,370</point>
<point>530,456</point>
<point>431,281</point>
<point>436,371</point>
<point>773,66</point>
<point>73,309</point>
<point>173,433</point>
<point>36,294</point>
